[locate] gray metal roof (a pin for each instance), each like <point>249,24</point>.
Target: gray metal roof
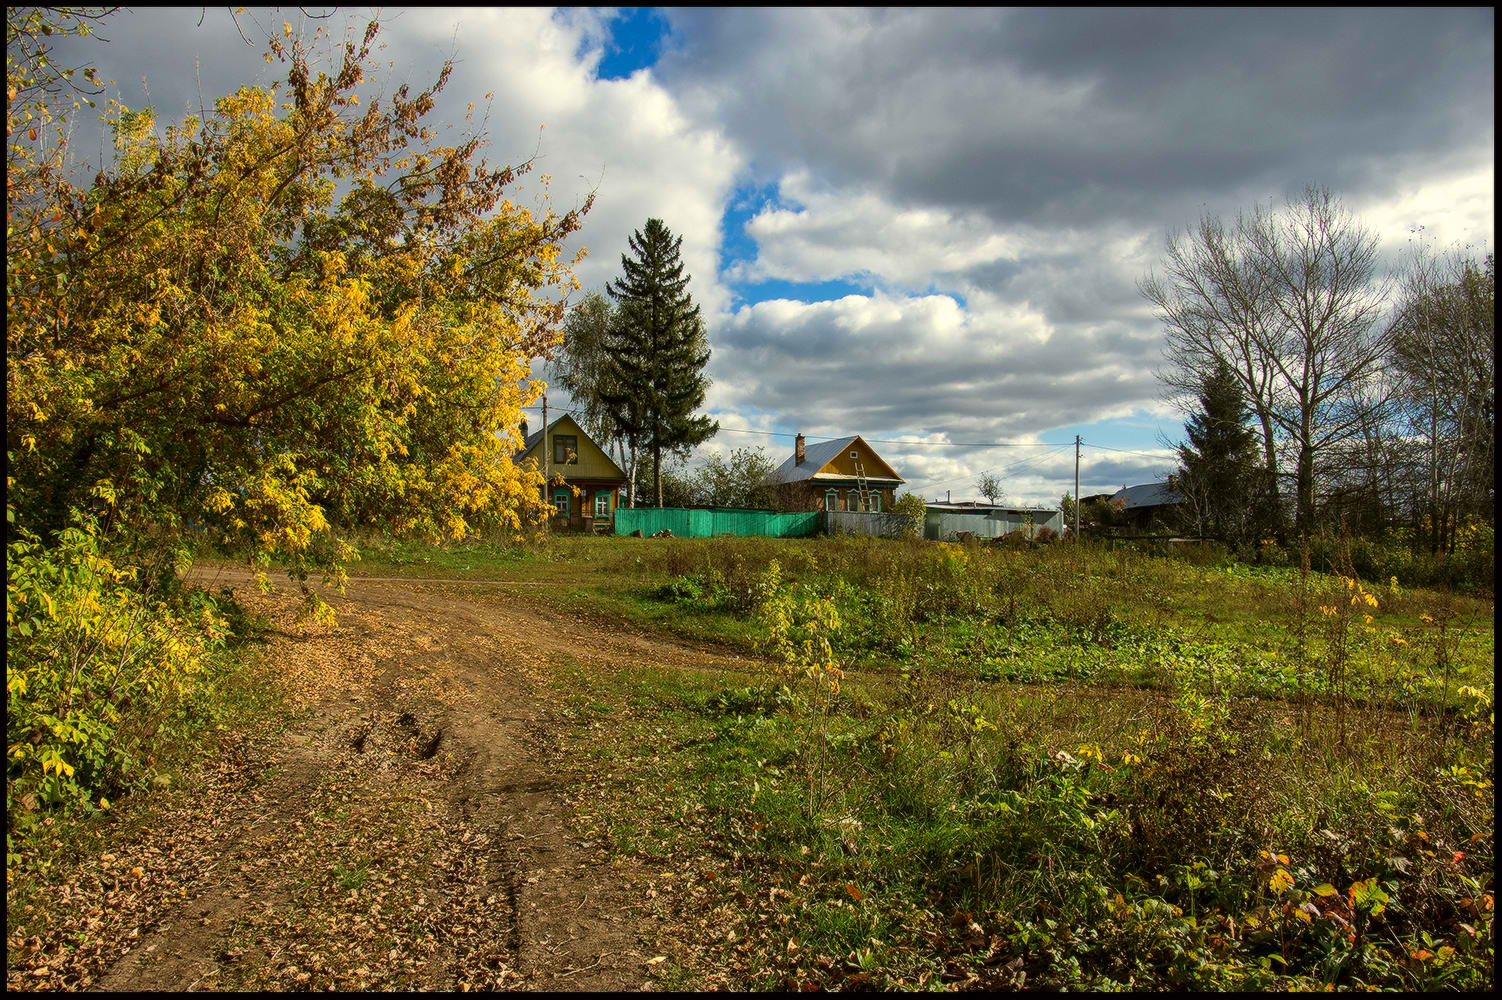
<point>815,457</point>
<point>977,507</point>
<point>1149,495</point>
<point>535,437</point>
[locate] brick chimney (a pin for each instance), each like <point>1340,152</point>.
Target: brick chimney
<point>798,452</point>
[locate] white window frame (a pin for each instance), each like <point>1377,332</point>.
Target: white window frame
<point>831,499</point>
<point>562,496</point>
<point>602,499</point>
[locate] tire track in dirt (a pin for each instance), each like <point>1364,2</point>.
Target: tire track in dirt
<point>434,699</point>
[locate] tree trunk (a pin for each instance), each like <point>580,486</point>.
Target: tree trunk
<point>657,471</point>
<point>1270,452</point>
<point>631,475</point>
<point>1434,518</point>
<point>1304,512</point>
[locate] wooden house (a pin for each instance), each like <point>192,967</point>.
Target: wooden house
<point>590,491</point>
<point>843,474</point>
<point>1148,508</point>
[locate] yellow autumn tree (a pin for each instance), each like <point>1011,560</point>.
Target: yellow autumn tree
<point>294,319</point>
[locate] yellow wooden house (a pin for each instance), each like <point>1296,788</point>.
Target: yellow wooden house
<point>843,474</point>
<point>590,491</point>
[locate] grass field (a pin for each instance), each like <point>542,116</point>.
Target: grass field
<point>855,763</point>
<point>1052,768</point>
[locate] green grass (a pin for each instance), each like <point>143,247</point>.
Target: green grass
<point>1033,616</point>
<point>1061,768</point>
<point>1065,770</point>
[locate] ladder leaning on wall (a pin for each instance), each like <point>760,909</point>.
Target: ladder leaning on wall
<point>862,486</point>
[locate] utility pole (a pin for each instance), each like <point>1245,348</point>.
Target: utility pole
<point>1076,487</point>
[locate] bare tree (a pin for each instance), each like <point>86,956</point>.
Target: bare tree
<point>1215,304</point>
<point>1291,301</point>
<point>1326,344</point>
<point>1444,360</point>
<point>989,487</point>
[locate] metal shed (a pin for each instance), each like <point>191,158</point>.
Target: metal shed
<point>942,521</point>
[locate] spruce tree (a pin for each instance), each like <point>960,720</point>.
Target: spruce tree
<point>1218,465</point>
<point>657,350</point>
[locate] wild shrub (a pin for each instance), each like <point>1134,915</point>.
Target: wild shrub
<point>98,657</point>
<point>799,631</point>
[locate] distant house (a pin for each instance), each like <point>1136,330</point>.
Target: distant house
<point>843,474</point>
<point>1147,508</point>
<point>942,521</point>
<point>562,449</point>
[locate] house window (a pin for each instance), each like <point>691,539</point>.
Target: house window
<point>855,455</point>
<point>830,499</point>
<point>565,449</point>
<point>854,501</point>
<point>876,501</point>
<point>560,502</point>
<point>602,503</point>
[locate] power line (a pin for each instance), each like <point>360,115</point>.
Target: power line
<point>1010,470</point>
<point>1128,451</point>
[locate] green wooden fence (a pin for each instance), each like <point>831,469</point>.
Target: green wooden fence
<point>686,522</point>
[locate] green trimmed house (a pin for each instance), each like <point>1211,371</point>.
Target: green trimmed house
<point>845,474</point>
<point>590,491</point>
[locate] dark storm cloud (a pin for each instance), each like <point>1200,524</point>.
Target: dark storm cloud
<point>1070,116</point>
<point>1078,137</point>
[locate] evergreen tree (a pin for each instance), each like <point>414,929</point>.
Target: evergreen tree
<point>1218,466</point>
<point>657,350</point>
<point>581,367</point>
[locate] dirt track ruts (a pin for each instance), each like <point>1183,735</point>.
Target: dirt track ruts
<point>428,689</point>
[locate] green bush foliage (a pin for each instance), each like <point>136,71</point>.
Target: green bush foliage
<point>99,659</point>
<point>1295,792</point>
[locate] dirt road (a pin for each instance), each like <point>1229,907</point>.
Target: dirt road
<point>407,832</point>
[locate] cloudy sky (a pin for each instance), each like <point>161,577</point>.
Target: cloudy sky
<point>922,226</point>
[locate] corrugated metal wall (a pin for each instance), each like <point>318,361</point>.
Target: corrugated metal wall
<point>686,522</point>
<point>855,522</point>
<point>940,525</point>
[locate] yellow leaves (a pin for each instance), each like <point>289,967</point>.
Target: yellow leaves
<point>1090,751</point>
<point>1281,880</point>
<point>221,501</point>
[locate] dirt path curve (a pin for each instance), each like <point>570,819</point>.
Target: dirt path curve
<point>410,830</point>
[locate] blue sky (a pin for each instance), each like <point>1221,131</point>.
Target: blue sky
<point>925,226</point>
<point>635,39</point>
